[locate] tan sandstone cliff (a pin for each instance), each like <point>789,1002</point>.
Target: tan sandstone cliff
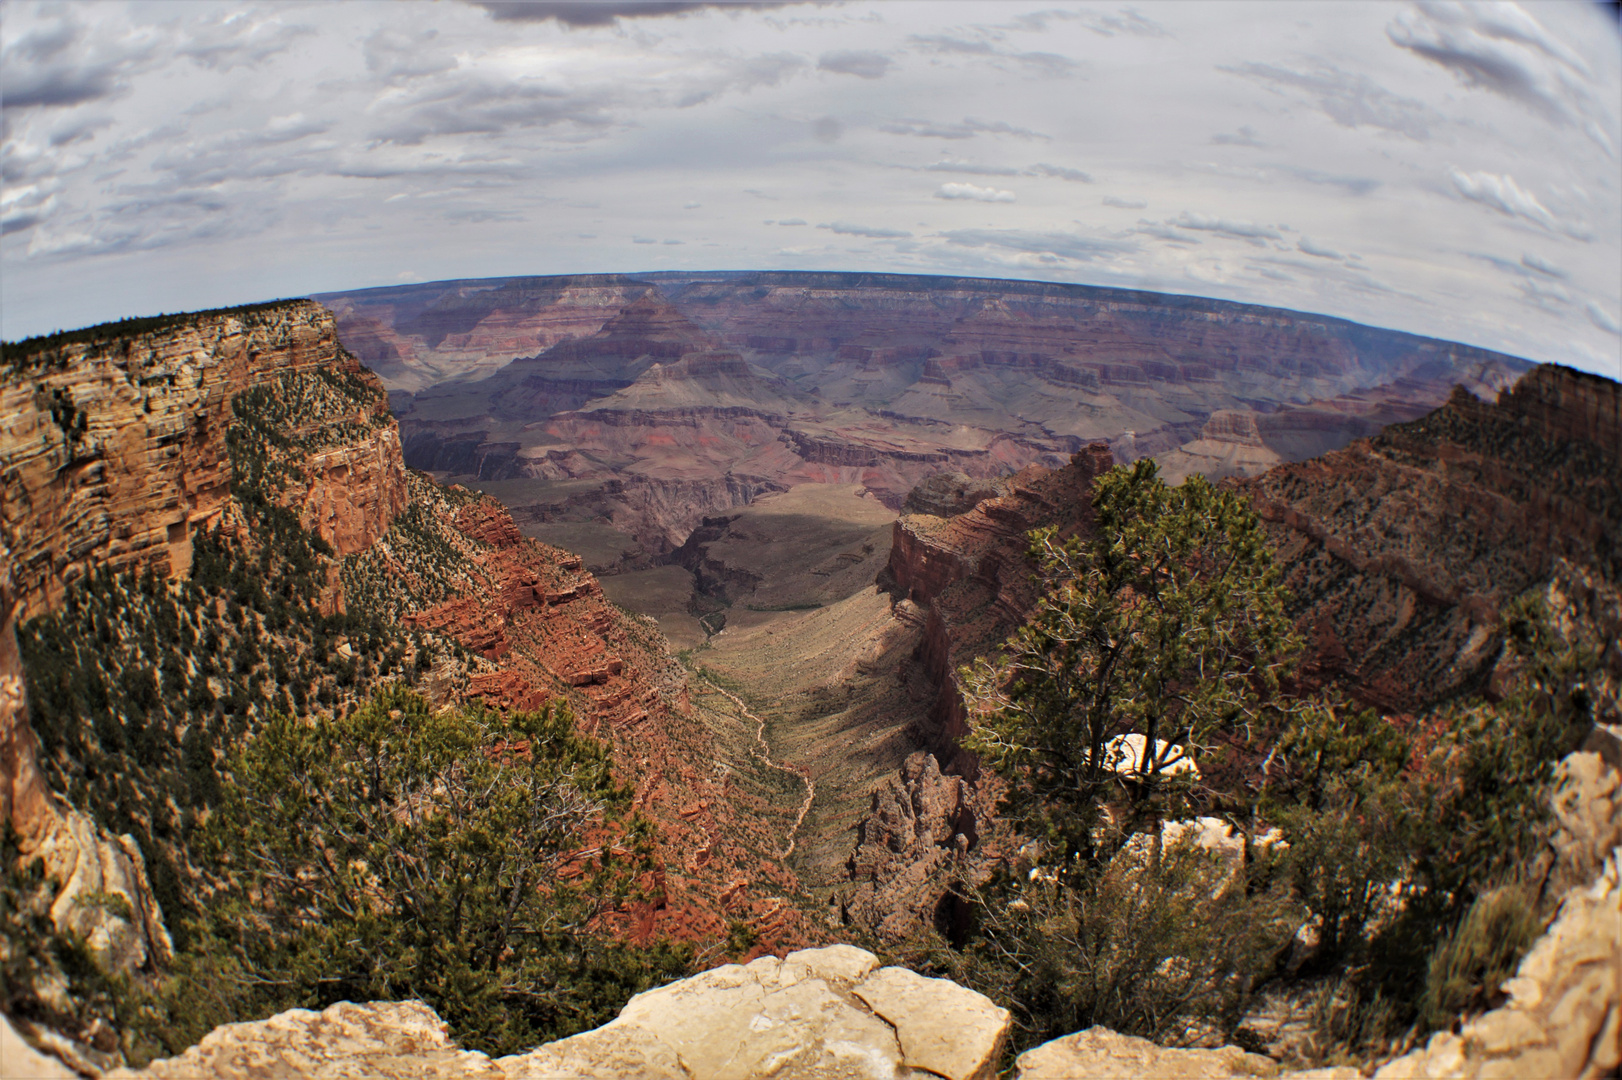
<point>113,455</point>
<point>114,451</point>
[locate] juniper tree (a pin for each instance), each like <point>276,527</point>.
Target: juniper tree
<point>1158,632</point>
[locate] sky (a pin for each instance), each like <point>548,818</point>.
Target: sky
<point>1444,168</point>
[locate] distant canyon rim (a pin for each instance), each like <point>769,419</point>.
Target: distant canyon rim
<point>616,413</point>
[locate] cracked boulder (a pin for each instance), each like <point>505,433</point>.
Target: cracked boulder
<point>828,1014</point>
<point>818,1014</point>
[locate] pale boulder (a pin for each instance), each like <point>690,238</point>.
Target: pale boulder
<point>382,1041</point>
<point>943,1027</point>
<point>1101,1054</point>
<point>818,1014</point>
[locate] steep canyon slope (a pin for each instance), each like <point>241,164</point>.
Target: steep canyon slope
<point>208,519</point>
<point>1400,552</point>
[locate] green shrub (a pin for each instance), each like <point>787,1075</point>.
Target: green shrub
<point>1471,963</point>
<point>396,851</point>
<point>1146,945</point>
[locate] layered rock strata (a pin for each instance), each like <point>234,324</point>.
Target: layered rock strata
<point>1400,550</point>
<point>114,456</point>
<point>114,450</point>
<point>972,575</point>
<point>969,580</point>
<point>543,631</point>
<point>879,380</point>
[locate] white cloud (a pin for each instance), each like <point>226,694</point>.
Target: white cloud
<point>975,192</point>
<point>968,128</point>
<point>1242,230</point>
<point>1067,246</point>
<point>1542,266</point>
<point>1060,172</point>
<point>159,155</point>
<point>1602,318</point>
<point>845,228</point>
<point>1504,49</point>
<point>1306,245</point>
<point>858,62</point>
<point>1350,99</point>
<point>971,168</point>
<point>1503,194</point>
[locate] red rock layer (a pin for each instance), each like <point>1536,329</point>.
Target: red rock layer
<point>548,632</point>
<point>973,576</point>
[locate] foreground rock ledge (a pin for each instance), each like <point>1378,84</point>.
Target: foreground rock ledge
<point>834,1013</point>
<point>829,1014</point>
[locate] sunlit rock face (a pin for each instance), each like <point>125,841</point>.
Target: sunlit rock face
<point>723,385</point>
<point>114,450</point>
<point>817,1014</point>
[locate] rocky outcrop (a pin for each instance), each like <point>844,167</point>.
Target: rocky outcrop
<point>1400,549</point>
<point>828,1012</point>
<point>26,1063</point>
<point>1101,1054</point>
<point>105,896</point>
<point>395,1041</point>
<point>950,494</point>
<point>1564,1014</point>
<point>1230,444</point>
<point>113,449</point>
<point>970,580</point>
<point>972,575</point>
<point>114,454</point>
<point>921,836</point>
<point>818,1014</point>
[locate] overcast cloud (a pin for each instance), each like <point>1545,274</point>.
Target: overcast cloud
<point>1446,168</point>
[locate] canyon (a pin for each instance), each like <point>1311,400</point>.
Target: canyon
<point>224,494</point>
<point>642,404</point>
<point>748,527</point>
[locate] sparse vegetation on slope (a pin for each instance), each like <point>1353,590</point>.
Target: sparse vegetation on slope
<point>398,851</point>
<point>1384,866</point>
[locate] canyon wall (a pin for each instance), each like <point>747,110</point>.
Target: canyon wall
<point>415,336</point>
<point>113,449</point>
<point>1401,550</point>
<point>250,464</point>
<point>881,380</point>
<point>543,631</point>
<point>970,580</point>
<point>972,575</point>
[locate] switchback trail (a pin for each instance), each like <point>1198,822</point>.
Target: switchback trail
<point>765,754</point>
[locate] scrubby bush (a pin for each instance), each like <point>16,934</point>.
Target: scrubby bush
<point>1393,856</point>
<point>401,852</point>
